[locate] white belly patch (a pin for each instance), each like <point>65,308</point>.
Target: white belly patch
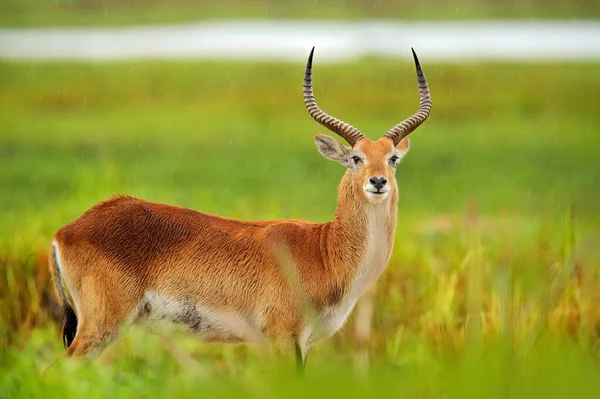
<point>209,324</point>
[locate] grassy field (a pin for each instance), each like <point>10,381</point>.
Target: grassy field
<point>125,12</point>
<point>493,289</point>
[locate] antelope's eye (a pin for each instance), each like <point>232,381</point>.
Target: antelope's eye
<point>393,160</point>
<point>356,160</point>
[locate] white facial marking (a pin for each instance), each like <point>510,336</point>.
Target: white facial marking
<point>374,194</point>
<point>355,156</point>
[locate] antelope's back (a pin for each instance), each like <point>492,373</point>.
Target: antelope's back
<point>150,239</point>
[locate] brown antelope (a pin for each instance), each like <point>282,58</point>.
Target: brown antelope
<point>127,259</point>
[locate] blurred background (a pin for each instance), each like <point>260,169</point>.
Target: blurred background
<point>493,289</point>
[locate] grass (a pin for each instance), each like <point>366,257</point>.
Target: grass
<point>493,286</point>
<point>127,12</point>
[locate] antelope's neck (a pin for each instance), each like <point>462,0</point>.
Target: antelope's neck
<point>361,237</point>
<point>356,248</point>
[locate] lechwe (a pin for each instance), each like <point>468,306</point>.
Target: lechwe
<point>224,279</point>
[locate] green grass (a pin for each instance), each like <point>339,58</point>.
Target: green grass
<point>127,12</point>
<point>493,286</point>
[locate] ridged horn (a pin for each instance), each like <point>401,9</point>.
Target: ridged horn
<point>405,127</point>
<point>348,132</point>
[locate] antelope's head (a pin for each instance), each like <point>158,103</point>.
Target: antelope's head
<point>371,164</point>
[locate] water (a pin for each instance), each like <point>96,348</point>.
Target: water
<point>291,41</point>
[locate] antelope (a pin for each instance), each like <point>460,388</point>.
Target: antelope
<point>127,259</point>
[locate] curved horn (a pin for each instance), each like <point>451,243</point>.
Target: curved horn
<point>348,132</point>
<point>405,127</point>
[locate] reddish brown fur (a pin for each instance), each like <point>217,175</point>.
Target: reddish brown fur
<point>288,282</point>
<point>124,247</point>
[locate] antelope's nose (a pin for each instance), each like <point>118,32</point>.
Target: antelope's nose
<point>378,182</point>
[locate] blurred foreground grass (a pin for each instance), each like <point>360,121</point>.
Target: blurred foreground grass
<point>493,289</point>
<point>128,12</point>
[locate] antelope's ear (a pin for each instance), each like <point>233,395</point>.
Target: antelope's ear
<point>332,149</point>
<point>403,146</point>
